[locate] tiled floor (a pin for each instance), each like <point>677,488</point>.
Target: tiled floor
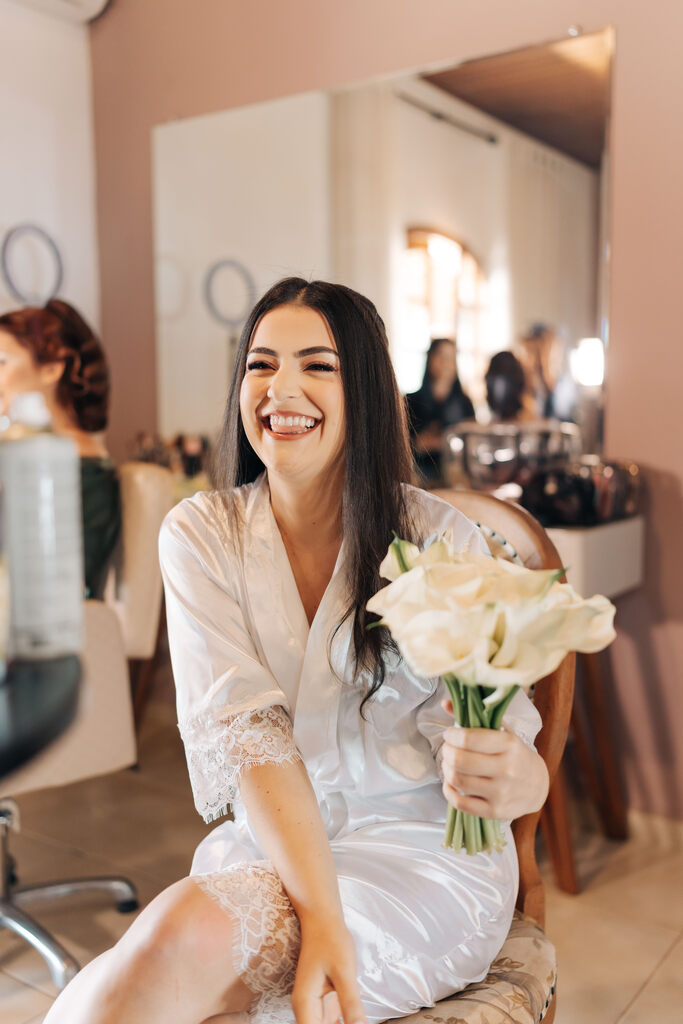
<point>619,943</point>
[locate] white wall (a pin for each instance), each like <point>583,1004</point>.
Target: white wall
<point>47,163</point>
<point>364,182</point>
<point>251,185</point>
<point>554,232</point>
<point>528,213</point>
<point>457,183</point>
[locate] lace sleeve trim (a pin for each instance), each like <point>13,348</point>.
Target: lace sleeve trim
<point>218,751</point>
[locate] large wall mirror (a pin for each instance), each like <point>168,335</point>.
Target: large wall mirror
<point>469,200</point>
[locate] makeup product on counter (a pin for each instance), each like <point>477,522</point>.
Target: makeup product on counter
<point>43,544</point>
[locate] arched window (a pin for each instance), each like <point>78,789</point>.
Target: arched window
<point>443,295</point>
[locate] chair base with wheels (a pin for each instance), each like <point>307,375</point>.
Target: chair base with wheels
<point>13,899</point>
<point>100,740</point>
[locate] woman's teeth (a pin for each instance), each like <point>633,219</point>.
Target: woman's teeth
<point>291,424</point>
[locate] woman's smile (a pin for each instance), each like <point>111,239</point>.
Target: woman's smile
<point>292,391</point>
<point>289,425</point>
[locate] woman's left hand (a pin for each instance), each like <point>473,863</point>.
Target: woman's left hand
<point>492,773</point>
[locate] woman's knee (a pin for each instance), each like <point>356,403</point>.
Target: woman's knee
<point>180,928</point>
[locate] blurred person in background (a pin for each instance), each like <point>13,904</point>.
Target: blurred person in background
<point>148,446</point>
<point>52,350</point>
<point>439,403</point>
<point>189,461</point>
<point>506,390</point>
<point>549,390</point>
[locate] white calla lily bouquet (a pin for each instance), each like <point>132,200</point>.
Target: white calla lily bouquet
<point>487,626</point>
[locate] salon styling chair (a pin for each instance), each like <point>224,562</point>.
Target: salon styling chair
<point>100,740</point>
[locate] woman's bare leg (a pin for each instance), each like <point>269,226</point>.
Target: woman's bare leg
<point>331,1013</point>
<point>228,1018</point>
<point>175,963</point>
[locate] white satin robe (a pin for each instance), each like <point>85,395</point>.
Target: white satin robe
<point>426,922</point>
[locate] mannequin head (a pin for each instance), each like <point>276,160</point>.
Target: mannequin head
<point>51,349</point>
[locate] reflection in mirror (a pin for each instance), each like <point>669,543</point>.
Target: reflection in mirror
<point>468,203</point>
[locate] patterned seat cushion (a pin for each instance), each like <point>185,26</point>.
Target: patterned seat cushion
<point>517,990</point>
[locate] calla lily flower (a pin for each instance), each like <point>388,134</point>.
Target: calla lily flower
<point>485,620</point>
<point>488,627</point>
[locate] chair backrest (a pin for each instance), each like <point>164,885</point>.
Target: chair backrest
<point>102,737</point>
<point>134,588</point>
<point>509,525</point>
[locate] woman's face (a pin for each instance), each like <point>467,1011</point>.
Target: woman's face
<point>292,397</point>
<point>442,364</point>
<point>18,371</point>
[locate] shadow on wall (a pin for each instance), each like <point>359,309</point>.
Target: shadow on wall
<point>645,722</point>
<point>664,542</point>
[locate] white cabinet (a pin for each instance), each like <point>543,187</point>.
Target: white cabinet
<point>606,559</point>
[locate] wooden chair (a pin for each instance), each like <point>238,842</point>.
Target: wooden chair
<point>520,986</point>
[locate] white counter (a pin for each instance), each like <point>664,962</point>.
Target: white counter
<point>606,559</point>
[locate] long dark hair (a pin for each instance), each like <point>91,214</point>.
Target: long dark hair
<point>426,385</point>
<point>377,450</point>
<point>57,333</point>
<point>505,383</point>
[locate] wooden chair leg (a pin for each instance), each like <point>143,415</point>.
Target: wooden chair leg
<point>585,758</point>
<point>557,834</point>
<point>142,674</point>
<point>611,802</point>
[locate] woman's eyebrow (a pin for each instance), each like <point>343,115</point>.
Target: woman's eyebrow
<point>297,355</point>
<point>313,350</point>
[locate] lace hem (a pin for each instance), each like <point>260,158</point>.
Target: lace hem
<point>267,942</point>
<point>218,751</point>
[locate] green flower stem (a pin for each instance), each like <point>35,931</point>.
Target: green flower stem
<point>488,832</point>
<point>478,714</point>
<point>450,827</point>
<point>397,545</point>
<point>458,832</point>
<point>472,834</point>
<point>501,707</point>
<point>480,834</point>
<point>482,710</point>
<point>468,831</point>
<point>466,840</point>
<point>472,713</point>
<point>454,692</point>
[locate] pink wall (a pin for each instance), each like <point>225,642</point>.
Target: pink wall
<point>154,61</point>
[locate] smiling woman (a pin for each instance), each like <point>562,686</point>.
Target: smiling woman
<point>329,893</point>
<point>290,392</point>
<point>292,409</point>
<point>327,356</point>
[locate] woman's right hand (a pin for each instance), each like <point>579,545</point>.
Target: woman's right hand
<point>326,987</point>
